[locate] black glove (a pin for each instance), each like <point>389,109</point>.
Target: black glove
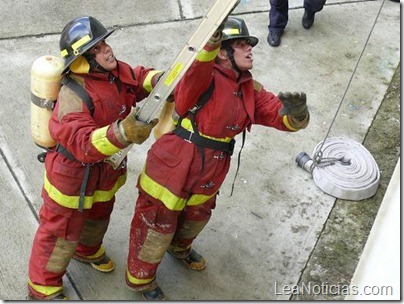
<point>293,104</point>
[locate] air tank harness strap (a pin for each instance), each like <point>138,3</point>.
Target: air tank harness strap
<point>80,91</point>
<point>62,150</point>
<point>194,137</point>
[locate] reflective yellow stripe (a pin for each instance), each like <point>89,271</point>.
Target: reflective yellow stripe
<point>100,141</point>
<point>186,124</point>
<point>147,84</point>
<point>81,42</point>
<point>64,53</point>
<point>198,199</point>
<point>135,281</point>
<point>175,72</point>
<point>73,201</point>
<point>287,123</point>
<point>45,290</point>
<point>99,253</point>
<point>206,56</point>
<point>170,200</point>
<point>231,31</point>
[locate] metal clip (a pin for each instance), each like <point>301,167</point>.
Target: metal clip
<point>238,93</point>
<point>220,156</point>
<point>189,138</point>
<point>208,185</point>
<point>233,128</point>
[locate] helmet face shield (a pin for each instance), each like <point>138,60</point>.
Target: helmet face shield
<point>236,28</point>
<point>79,36</point>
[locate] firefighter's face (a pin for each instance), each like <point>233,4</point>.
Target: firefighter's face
<point>242,54</point>
<point>104,55</point>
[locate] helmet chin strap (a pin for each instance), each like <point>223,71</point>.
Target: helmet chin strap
<point>93,63</point>
<point>230,54</point>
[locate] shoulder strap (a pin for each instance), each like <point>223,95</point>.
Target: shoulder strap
<point>80,91</point>
<point>203,99</point>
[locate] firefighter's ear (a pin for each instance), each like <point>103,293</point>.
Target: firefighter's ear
<point>222,56</point>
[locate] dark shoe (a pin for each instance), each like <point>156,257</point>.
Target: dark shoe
<point>155,294</point>
<point>150,291</point>
<point>274,38</point>
<point>190,258</point>
<point>308,19</point>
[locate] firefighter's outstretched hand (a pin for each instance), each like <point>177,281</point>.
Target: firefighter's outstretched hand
<point>135,131</point>
<point>293,104</point>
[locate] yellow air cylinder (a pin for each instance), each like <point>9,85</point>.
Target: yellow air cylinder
<point>45,85</point>
<point>165,123</point>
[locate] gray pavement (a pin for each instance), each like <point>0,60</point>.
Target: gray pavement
<point>263,234</point>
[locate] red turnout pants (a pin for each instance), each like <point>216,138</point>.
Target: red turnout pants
<point>155,228</point>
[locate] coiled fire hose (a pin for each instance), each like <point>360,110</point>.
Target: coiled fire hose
<point>342,168</point>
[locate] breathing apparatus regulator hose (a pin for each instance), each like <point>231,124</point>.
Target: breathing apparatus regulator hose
<point>343,168</point>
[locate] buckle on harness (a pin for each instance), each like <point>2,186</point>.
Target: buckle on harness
<point>189,137</point>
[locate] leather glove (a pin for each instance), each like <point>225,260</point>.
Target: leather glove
<point>218,34</point>
<point>135,131</point>
<point>293,104</point>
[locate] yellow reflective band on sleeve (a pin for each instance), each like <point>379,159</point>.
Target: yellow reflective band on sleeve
<point>206,56</point>
<point>186,124</point>
<point>136,281</point>
<point>45,290</point>
<point>73,201</point>
<point>79,43</point>
<point>147,84</point>
<point>231,31</point>
<point>287,123</point>
<point>100,141</point>
<point>170,200</point>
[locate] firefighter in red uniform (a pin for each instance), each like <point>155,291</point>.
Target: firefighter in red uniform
<point>79,187</point>
<point>185,168</point>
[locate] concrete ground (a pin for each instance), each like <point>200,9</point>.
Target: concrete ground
<point>275,229</point>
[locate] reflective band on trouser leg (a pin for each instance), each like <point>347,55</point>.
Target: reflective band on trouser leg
<point>152,230</point>
<point>44,292</point>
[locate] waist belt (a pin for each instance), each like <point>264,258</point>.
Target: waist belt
<point>204,141</point>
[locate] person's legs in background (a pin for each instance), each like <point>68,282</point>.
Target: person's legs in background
<point>278,18</point>
<point>311,7</point>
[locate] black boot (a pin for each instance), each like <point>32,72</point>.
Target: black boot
<point>308,19</point>
<point>155,294</point>
<point>274,38</point>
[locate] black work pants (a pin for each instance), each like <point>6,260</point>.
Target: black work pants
<point>278,13</point>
